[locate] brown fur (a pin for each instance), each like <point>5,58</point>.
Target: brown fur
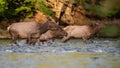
<point>51,34</point>
<point>30,30</point>
<point>84,31</point>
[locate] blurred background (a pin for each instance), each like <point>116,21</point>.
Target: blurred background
<point>64,12</point>
<point>102,52</point>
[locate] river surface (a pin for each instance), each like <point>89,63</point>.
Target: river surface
<point>98,53</point>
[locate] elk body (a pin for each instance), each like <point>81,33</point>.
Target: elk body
<point>30,30</point>
<point>83,31</point>
<point>52,34</point>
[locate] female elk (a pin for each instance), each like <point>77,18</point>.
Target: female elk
<point>30,30</point>
<point>83,31</point>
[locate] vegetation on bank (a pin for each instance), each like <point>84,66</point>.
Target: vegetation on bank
<point>101,8</point>
<point>15,10</point>
<point>18,9</point>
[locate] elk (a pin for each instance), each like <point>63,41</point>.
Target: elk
<point>30,30</point>
<point>52,34</point>
<point>81,31</point>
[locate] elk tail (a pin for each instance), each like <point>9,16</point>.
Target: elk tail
<point>8,28</point>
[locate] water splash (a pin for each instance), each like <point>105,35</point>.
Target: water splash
<point>110,46</point>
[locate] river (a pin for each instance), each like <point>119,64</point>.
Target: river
<point>98,53</point>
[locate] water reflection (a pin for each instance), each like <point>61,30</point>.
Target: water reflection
<point>58,60</point>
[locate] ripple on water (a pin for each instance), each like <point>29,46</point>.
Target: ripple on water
<point>97,46</point>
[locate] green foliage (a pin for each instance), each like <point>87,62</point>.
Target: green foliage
<point>17,9</point>
<point>110,7</point>
<point>111,30</point>
<point>103,8</point>
<point>3,6</point>
<point>41,6</point>
<point>82,1</point>
<point>100,8</point>
<point>94,10</point>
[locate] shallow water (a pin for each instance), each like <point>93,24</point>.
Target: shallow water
<point>58,60</point>
<point>100,53</point>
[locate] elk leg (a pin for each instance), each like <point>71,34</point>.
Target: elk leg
<point>38,40</point>
<point>14,40</point>
<point>33,41</point>
<point>14,37</point>
<point>84,39</point>
<point>50,40</point>
<point>29,39</point>
<point>34,38</point>
<point>64,39</point>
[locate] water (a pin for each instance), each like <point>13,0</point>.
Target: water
<point>100,53</point>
